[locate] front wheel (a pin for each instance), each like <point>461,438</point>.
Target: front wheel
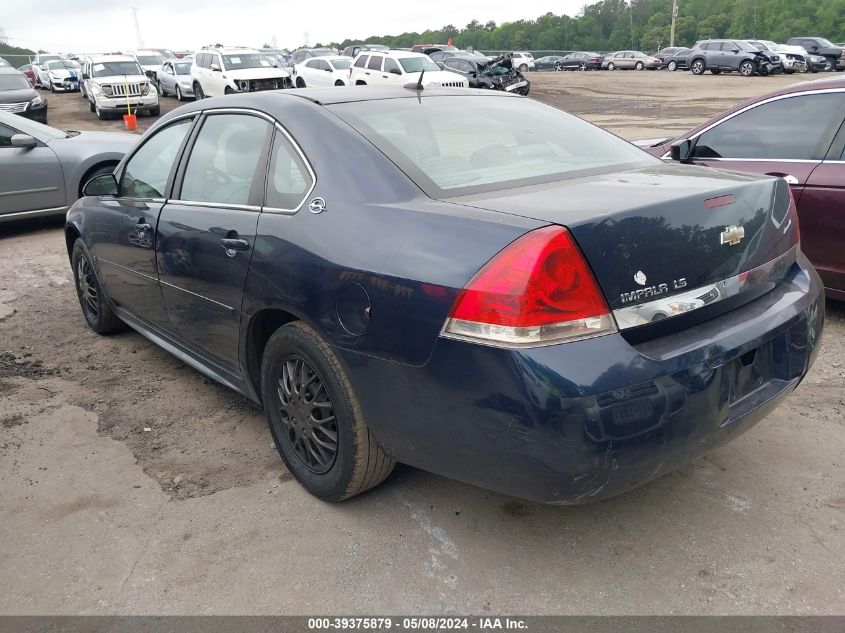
<point>829,64</point>
<point>523,68</point>
<point>558,67</point>
<point>582,67</point>
<point>697,67</point>
<point>300,82</point>
<point>102,114</point>
<point>198,93</point>
<point>52,88</point>
<point>95,307</point>
<point>315,418</point>
<point>673,65</point>
<point>179,96</point>
<point>156,111</point>
<point>746,68</point>
<point>611,66</point>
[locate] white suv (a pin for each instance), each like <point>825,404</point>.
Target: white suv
<point>385,68</point>
<point>115,83</point>
<point>221,71</point>
<point>523,62</point>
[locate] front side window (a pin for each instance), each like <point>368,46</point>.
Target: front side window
<point>289,179</point>
<point>223,164</point>
<point>147,172</point>
<point>375,62</point>
<point>794,128</point>
<point>455,145</point>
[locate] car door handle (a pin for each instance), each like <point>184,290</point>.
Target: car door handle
<point>234,244</point>
<point>789,178</point>
<point>143,226</point>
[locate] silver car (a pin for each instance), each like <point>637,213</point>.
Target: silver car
<point>43,170</point>
<point>174,78</point>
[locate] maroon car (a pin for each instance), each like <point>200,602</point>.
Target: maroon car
<point>796,133</point>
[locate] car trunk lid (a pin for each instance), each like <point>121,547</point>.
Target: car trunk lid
<point>666,231</point>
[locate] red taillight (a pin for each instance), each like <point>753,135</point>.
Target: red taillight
<point>536,291</point>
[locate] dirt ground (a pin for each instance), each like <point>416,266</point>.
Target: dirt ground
<point>129,483</point>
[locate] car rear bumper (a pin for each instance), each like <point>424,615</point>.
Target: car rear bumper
<point>591,419</point>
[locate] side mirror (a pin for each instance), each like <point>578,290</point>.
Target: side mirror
<point>23,140</point>
<point>734,50</point>
<point>681,151</point>
<point>102,185</point>
<point>215,68</point>
<point>395,71</point>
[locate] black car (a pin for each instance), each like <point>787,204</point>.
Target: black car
<point>583,60</point>
<point>19,97</point>
<point>549,62</point>
<point>819,46</point>
<point>354,49</point>
<point>497,74</point>
<point>666,54</point>
<point>301,54</point>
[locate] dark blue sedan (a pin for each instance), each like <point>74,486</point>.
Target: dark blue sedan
<point>472,283</point>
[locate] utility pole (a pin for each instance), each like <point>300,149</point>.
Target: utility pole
<point>138,40</point>
<point>674,17</point>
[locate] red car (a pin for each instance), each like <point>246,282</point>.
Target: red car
<point>796,133</point>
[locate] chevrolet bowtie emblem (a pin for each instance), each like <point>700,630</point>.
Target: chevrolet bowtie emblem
<point>732,235</point>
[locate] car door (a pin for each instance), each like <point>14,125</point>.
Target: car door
<point>317,74</point>
<point>373,73</point>
<point>787,136</point>
<point>167,78</point>
<point>822,216</point>
<point>124,251</point>
<point>30,177</point>
<point>216,77</point>
<point>206,232</point>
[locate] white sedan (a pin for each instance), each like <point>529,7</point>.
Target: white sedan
<point>318,72</point>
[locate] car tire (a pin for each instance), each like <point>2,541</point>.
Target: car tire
<point>155,111</point>
<point>179,96</point>
<point>94,304</point>
<point>611,66</point>
<point>639,66</point>
<point>558,67</point>
<point>52,88</point>
<point>339,83</point>
<point>697,67</point>
<point>102,114</point>
<point>746,68</point>
<point>360,83</point>
<point>91,106</point>
<point>198,93</point>
<point>339,457</point>
<point>829,64</point>
<point>715,71</point>
<point>673,65</point>
<point>582,67</point>
<point>300,82</point>
<point>523,68</point>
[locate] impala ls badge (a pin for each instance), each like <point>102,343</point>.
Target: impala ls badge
<point>317,205</point>
<point>732,235</point>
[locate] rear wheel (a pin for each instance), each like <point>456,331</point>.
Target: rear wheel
<point>95,307</point>
<point>339,83</point>
<point>715,71</point>
<point>697,67</point>
<point>300,82</point>
<point>640,66</point>
<point>582,67</point>
<point>746,68</point>
<point>315,418</point>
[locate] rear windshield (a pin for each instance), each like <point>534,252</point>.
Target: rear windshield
<point>182,68</point>
<point>341,64</point>
<point>62,64</point>
<point>150,59</point>
<point>459,145</point>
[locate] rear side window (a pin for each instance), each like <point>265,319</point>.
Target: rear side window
<point>289,179</point>
<point>223,164</point>
<point>375,63</point>
<point>147,172</point>
<point>361,62</point>
<point>795,128</point>
<point>456,145</point>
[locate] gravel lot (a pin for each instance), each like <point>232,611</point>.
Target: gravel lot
<point>198,514</point>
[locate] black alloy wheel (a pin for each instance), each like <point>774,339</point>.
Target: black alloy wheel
<point>95,307</point>
<point>307,413</point>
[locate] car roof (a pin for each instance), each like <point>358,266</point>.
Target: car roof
<point>8,70</point>
<point>111,58</point>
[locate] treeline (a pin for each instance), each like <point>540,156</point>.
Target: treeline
<point>640,24</point>
<point>6,49</point>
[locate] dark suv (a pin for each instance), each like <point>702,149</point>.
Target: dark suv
<point>719,56</point>
<point>819,46</point>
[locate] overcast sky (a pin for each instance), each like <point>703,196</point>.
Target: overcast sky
<point>105,25</point>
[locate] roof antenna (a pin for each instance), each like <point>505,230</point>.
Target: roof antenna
<point>417,86</point>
